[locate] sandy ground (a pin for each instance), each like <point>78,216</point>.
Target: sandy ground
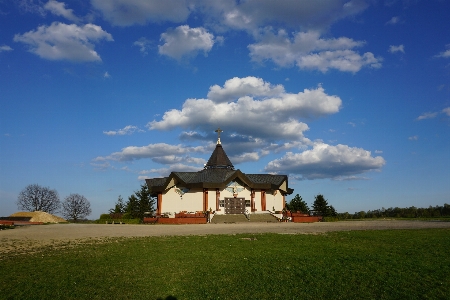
<point>33,238</point>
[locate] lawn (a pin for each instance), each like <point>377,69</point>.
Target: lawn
<point>391,264</point>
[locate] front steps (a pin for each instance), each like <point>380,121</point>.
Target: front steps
<point>262,218</point>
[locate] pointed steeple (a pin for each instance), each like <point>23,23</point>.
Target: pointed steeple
<point>219,159</point>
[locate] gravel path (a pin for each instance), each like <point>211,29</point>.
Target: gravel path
<point>30,238</point>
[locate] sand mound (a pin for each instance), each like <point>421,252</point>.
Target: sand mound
<point>39,216</point>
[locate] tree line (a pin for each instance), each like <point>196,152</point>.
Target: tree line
<point>320,206</point>
<point>398,212</point>
<point>138,204</point>
<point>37,198</point>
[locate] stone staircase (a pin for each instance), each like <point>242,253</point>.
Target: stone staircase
<point>263,218</point>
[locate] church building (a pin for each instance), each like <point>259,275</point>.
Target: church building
<point>219,189</point>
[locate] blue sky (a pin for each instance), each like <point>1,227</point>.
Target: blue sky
<point>350,98</point>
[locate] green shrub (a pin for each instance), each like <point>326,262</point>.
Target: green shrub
<point>105,217</point>
<point>127,216</point>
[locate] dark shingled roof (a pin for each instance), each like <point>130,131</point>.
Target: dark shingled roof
<point>206,175</point>
<point>219,159</point>
<point>266,178</point>
<point>156,181</point>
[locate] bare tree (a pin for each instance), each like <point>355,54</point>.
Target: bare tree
<point>76,207</point>
<point>35,197</point>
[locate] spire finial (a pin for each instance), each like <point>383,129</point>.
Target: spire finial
<point>218,135</point>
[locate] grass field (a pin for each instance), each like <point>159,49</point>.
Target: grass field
<point>394,264</point>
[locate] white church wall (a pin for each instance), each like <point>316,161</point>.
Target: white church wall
<point>212,199</point>
<point>191,201</point>
<point>258,200</point>
<point>274,202</point>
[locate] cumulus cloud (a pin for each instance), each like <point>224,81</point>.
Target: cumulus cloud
<point>184,40</point>
<point>251,14</point>
<point>143,44</point>
<point>239,15</point>
<point>413,138</point>
<point>395,49</point>
<point>60,41</point>
<point>129,12</point>
<point>239,87</point>
<point>307,50</point>
<point>326,161</point>
<point>5,48</point>
<point>59,9</point>
<point>272,117</point>
<point>150,151</point>
<point>127,130</point>
<point>245,157</point>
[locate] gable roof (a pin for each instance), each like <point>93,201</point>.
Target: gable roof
<point>219,178</point>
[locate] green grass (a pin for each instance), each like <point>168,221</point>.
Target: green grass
<point>394,264</point>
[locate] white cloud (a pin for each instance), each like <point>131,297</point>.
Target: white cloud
<point>106,75</point>
<point>446,111</point>
<point>184,40</point>
<point>274,117</point>
<point>445,54</point>
<point>238,87</point>
<point>5,48</point>
<point>308,51</point>
<point>164,172</point>
<point>60,41</point>
<point>59,9</point>
<point>394,49</point>
<point>413,138</point>
<point>393,21</point>
<point>326,161</point>
<point>251,14</point>
<point>144,44</point>
<point>129,12</point>
<point>240,15</point>
<point>245,157</point>
<point>378,151</point>
<point>129,129</point>
<point>427,115</point>
<point>150,151</point>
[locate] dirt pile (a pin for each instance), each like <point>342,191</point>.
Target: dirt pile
<point>39,216</point>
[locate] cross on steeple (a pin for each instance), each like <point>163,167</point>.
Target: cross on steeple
<point>218,134</point>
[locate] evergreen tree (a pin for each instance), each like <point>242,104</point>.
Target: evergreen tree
<point>119,207</point>
<point>140,202</point>
<point>146,202</point>
<point>132,206</point>
<point>298,204</point>
<point>321,207</point>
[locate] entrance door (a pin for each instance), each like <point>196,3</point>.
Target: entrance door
<point>234,205</point>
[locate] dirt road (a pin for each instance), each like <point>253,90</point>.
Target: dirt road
<point>27,238</point>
